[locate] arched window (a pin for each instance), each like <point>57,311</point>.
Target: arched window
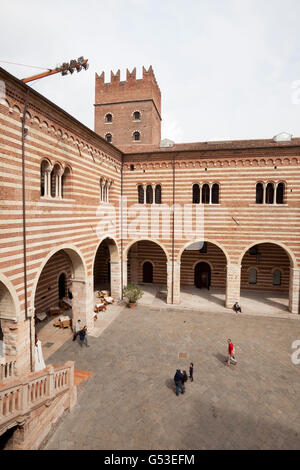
<point>136,136</point>
<point>149,194</point>
<point>215,194</point>
<point>277,277</point>
<point>158,194</point>
<point>279,193</point>
<point>270,193</point>
<point>108,117</point>
<point>66,183</point>
<point>259,193</point>
<point>140,194</point>
<point>136,115</point>
<point>196,194</point>
<point>45,178</point>
<point>108,138</point>
<point>56,180</point>
<point>252,276</point>
<point>205,194</point>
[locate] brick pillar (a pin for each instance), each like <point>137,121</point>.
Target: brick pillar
<point>115,279</point>
<point>233,284</point>
<point>176,283</point>
<point>83,301</point>
<point>294,290</point>
<point>124,264</point>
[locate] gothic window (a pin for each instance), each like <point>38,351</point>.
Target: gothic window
<point>158,194</point>
<point>252,276</point>
<point>45,178</point>
<point>108,117</point>
<point>259,193</point>
<point>277,277</point>
<point>196,194</point>
<point>215,194</point>
<point>136,136</point>
<point>149,194</point>
<point>108,138</point>
<point>104,189</point>
<point>279,193</point>
<point>270,193</point>
<point>140,194</point>
<point>205,194</point>
<point>66,183</point>
<point>136,115</point>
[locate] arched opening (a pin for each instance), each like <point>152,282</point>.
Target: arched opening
<point>8,341</point>
<point>205,194</point>
<point>147,272</point>
<point>106,270</point>
<point>149,194</point>
<point>202,275</point>
<point>280,193</point>
<point>259,193</point>
<point>215,194</point>
<point>270,193</point>
<point>147,266</point>
<point>265,278</point>
<point>158,194</point>
<point>66,189</point>
<point>45,178</point>
<point>196,193</point>
<point>63,272</point>
<point>140,194</point>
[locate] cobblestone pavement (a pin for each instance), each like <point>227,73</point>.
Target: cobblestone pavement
<point>130,401</point>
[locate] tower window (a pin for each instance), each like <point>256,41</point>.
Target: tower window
<point>108,138</point>
<point>137,116</point>
<point>108,117</point>
<point>136,136</point>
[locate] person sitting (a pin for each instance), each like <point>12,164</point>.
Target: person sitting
<point>237,308</point>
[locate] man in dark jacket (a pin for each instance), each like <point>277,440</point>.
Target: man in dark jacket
<point>83,336</point>
<point>178,379</point>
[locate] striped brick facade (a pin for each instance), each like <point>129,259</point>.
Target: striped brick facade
<point>62,230</point>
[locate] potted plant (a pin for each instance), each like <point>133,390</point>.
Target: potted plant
<point>133,293</point>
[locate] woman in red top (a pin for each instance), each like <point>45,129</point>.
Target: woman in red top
<point>230,352</point>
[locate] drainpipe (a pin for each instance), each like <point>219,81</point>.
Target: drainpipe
<point>121,229</point>
<point>173,228</point>
<point>24,133</point>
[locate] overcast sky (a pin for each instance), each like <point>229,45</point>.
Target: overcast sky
<point>226,68</point>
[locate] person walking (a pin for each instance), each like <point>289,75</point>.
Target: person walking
<point>178,379</point>
<point>192,372</point>
<point>77,329</point>
<point>83,336</point>
<point>230,356</point>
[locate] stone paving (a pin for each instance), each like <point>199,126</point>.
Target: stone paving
<point>130,402</point>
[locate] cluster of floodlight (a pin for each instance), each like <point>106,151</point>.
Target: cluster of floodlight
<point>70,67</point>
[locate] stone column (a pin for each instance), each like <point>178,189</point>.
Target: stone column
<point>83,301</point>
<point>115,279</point>
<point>233,284</point>
<point>125,280</point>
<point>294,290</point>
<point>176,282</point>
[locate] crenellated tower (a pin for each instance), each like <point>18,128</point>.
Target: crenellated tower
<point>128,112</point>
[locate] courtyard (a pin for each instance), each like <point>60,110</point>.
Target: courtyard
<point>130,402</point>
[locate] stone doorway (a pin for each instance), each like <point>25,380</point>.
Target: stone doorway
<point>148,272</point>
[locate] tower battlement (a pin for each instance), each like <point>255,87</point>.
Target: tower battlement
<point>131,89</point>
